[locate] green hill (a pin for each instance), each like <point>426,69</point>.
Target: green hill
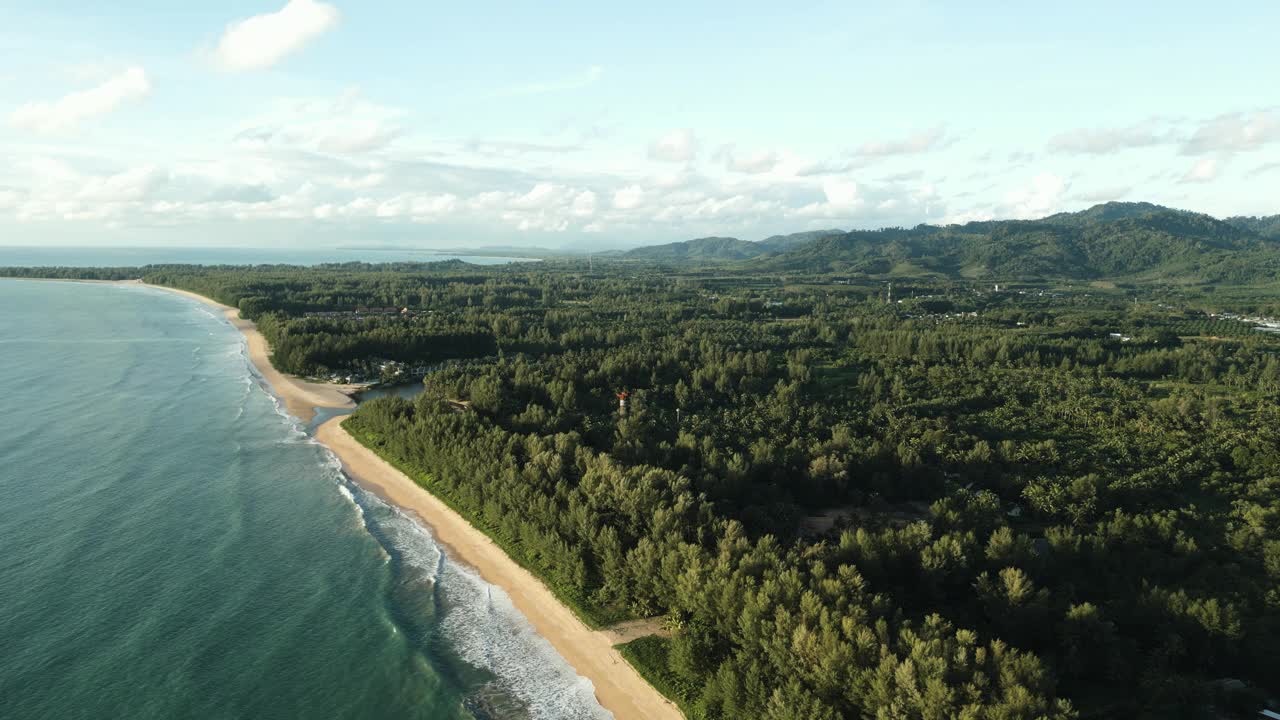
<point>1137,240</point>
<point>1268,227</point>
<point>707,248</point>
<point>719,249</point>
<point>782,243</point>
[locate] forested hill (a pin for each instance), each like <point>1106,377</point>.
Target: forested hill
<point>726,248</point>
<point>1268,227</point>
<point>1115,240</point>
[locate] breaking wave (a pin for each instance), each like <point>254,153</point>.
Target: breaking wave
<point>480,625</point>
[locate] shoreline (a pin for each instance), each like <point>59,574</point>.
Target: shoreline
<point>300,397</point>
<point>591,653</point>
<point>619,688</point>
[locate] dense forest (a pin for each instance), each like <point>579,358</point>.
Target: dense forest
<point>1060,506</point>
<point>847,499</point>
<point>1268,226</point>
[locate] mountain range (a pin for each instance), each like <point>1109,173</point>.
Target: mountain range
<point>1141,241</point>
<point>726,248</point>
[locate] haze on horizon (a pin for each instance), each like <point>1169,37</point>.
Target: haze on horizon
<point>266,123</point>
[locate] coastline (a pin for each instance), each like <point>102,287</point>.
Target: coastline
<point>300,398</point>
<point>619,688</point>
<point>591,653</point>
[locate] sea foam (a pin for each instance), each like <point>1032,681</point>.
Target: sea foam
<point>477,619</point>
<point>482,625</point>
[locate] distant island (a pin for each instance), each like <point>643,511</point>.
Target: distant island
<point>1007,469</point>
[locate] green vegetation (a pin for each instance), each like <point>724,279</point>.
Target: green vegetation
<point>1137,241</point>
<point>1051,500</point>
<point>518,540</point>
<point>857,487</point>
<point>719,249</point>
<point>1268,227</point>
<point>1129,240</point>
<point>651,657</point>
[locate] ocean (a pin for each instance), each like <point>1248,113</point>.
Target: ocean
<point>24,256</point>
<point>173,546</point>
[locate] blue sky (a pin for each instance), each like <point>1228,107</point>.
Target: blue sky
<point>302,122</point>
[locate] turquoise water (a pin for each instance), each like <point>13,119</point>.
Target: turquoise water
<point>172,546</point>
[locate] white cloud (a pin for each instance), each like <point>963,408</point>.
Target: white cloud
<point>542,195</point>
<point>1264,168</point>
<point>299,186</point>
<point>678,178</point>
<point>903,176</point>
<point>357,137</point>
<point>1101,141</point>
<point>1235,132</point>
<point>74,109</point>
<point>584,204</point>
<point>628,198</point>
<point>1040,198</point>
<point>1043,195</point>
<point>840,193</point>
<point>346,125</point>
<point>261,41</point>
<point>1206,169</point>
<point>918,142</point>
<point>968,216</point>
<point>1106,194</point>
<point>546,207</point>
<point>150,194</point>
<point>132,184</point>
<point>675,146</point>
<point>575,82</point>
<point>827,167</point>
<point>363,182</point>
<point>516,148</point>
<point>761,161</point>
<point>419,208</point>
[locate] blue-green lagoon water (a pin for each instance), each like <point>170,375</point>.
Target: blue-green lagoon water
<point>173,546</point>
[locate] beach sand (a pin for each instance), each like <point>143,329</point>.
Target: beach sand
<point>301,398</point>
<point>618,686</point>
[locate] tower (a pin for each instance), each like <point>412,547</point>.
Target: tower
<point>888,298</point>
<point>622,402</point>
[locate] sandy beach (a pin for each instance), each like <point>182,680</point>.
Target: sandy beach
<point>618,687</point>
<point>301,398</point>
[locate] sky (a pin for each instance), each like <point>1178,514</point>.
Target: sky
<point>576,125</point>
